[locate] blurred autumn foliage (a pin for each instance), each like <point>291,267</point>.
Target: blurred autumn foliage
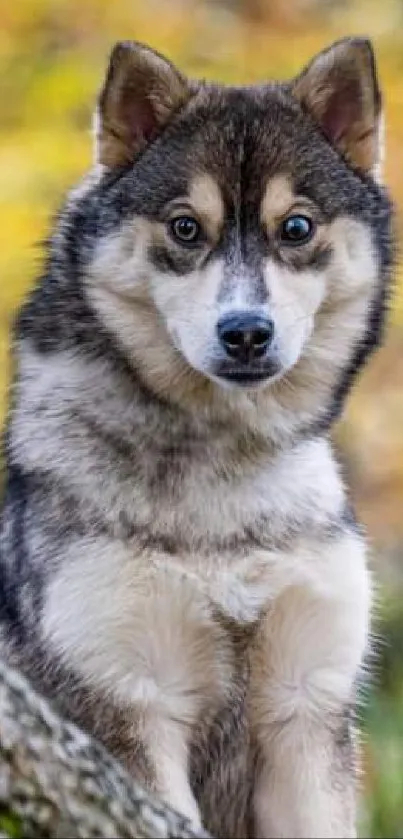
<point>52,58</point>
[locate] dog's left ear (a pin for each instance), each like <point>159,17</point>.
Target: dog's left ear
<point>339,88</point>
<point>141,92</point>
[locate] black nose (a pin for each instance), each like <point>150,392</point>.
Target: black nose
<point>245,336</point>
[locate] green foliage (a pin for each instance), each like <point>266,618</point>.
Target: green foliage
<point>383,730</point>
<point>11,826</point>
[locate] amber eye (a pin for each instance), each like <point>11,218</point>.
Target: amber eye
<point>296,230</point>
<point>186,230</point>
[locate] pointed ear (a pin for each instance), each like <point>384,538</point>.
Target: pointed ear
<point>141,92</point>
<point>339,88</point>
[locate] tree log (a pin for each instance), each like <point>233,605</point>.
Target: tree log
<point>57,782</point>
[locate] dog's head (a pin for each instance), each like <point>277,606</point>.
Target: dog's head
<point>242,239</point>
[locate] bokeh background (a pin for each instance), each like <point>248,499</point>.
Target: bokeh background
<point>52,57</point>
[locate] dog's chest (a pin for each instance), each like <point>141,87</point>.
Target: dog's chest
<point>236,587</point>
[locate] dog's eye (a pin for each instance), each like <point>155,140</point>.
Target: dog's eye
<point>186,230</point>
<point>296,230</point>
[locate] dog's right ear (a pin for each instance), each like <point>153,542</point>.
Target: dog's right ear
<point>141,92</point>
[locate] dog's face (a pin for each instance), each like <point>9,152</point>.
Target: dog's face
<point>244,223</point>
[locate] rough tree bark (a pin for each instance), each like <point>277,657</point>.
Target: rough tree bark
<point>56,781</point>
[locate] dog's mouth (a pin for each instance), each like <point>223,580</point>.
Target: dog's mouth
<point>247,376</point>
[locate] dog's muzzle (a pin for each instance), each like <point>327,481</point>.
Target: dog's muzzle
<point>246,339</point>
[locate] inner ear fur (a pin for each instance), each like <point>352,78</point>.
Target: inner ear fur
<point>339,89</point>
<point>142,90</point>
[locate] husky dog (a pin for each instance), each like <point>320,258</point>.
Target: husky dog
<point>180,568</point>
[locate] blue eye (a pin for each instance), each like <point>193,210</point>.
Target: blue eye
<point>185,229</point>
<point>296,230</point>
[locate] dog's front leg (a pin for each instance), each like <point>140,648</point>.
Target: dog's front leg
<point>304,665</point>
<point>141,633</point>
<point>166,745</point>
